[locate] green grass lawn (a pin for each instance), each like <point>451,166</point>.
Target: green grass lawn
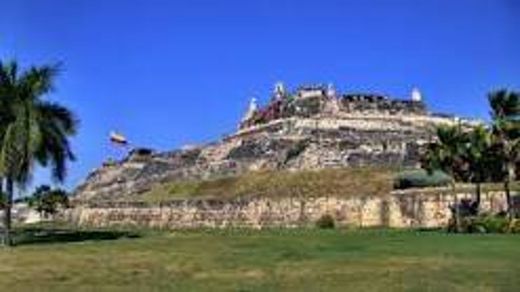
<point>269,260</point>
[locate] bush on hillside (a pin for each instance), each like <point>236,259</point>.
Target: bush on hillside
<point>326,221</point>
<point>420,179</point>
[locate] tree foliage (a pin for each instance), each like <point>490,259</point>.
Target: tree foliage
<point>32,129</point>
<point>480,154</point>
<point>447,152</point>
<point>505,111</point>
<point>47,201</point>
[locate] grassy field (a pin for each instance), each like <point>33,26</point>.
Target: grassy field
<point>269,260</point>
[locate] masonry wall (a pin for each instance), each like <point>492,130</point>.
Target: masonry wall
<point>416,209</point>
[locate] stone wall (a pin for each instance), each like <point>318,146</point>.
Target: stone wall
<point>364,103</point>
<point>403,209</point>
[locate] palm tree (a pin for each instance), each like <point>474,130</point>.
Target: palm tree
<point>32,130</point>
<point>505,111</point>
<point>447,154</point>
<point>478,143</point>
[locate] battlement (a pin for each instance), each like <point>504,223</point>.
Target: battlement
<point>381,104</point>
<point>311,100</point>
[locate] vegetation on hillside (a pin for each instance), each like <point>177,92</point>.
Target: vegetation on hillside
<point>419,178</point>
<point>309,183</point>
<point>344,182</point>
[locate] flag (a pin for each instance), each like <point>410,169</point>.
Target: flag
<point>118,138</point>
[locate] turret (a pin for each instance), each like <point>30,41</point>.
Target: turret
<point>279,91</point>
<point>253,107</point>
<point>416,95</point>
<point>331,91</point>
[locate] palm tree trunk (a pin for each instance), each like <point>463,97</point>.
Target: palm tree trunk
<point>478,199</point>
<point>457,209</point>
<point>7,212</point>
<point>507,189</point>
<point>3,198</point>
<point>508,198</point>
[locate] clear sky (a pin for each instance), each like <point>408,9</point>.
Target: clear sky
<point>168,73</point>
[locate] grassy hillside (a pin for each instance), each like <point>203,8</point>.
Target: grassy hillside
<point>332,182</point>
<point>268,260</point>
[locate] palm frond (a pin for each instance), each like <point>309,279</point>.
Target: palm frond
<point>60,116</point>
<point>32,130</point>
<point>38,81</point>
<point>505,104</point>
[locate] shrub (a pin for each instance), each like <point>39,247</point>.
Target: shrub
<point>482,224</point>
<point>420,179</point>
<point>467,225</point>
<point>514,226</point>
<point>493,224</point>
<point>325,222</point>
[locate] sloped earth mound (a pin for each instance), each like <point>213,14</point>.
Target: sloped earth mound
<point>281,183</point>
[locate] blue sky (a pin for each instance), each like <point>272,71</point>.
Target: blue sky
<point>169,73</point>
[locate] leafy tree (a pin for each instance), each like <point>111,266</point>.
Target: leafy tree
<point>505,111</point>
<point>447,154</point>
<point>32,130</point>
<point>47,201</point>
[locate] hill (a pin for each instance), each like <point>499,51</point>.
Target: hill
<point>311,128</point>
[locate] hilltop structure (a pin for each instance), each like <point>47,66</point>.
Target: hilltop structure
<point>312,127</point>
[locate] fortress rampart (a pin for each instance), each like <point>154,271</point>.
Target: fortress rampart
<point>403,209</point>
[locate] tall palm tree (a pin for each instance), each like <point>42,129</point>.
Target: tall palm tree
<point>447,154</point>
<point>505,111</point>
<point>477,158</point>
<point>32,130</point>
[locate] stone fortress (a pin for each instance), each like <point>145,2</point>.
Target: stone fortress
<point>309,128</point>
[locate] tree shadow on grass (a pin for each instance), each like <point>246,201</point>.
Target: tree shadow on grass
<point>29,236</point>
